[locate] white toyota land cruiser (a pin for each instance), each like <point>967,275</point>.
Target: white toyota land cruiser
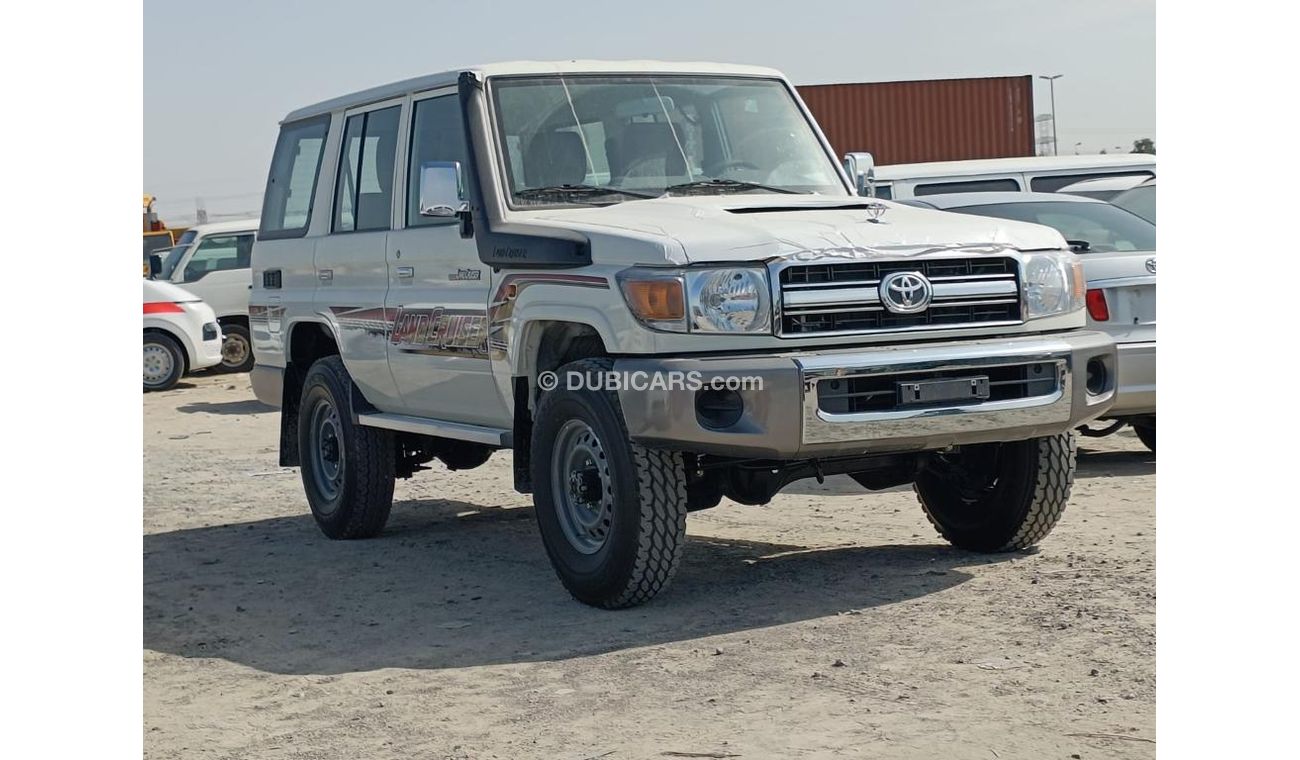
<point>561,259</point>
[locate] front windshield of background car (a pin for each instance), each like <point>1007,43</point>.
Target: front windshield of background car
<point>1102,226</point>
<point>635,136</point>
<point>1139,200</point>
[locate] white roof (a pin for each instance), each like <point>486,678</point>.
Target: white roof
<point>234,225</point>
<point>1012,165</point>
<point>444,78</point>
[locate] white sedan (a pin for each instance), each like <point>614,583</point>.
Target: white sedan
<point>1118,251</point>
<point>180,335</point>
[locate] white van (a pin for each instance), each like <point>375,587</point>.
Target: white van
<point>1039,174</point>
<point>212,261</point>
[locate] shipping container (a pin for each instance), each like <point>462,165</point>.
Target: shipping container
<point>927,120</point>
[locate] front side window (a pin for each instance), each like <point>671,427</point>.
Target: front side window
<point>607,139</point>
<point>286,208</point>
<point>219,253</point>
<point>1101,226</point>
<point>438,135</point>
<point>363,196</point>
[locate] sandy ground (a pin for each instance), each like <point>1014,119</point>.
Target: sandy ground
<point>831,623</point>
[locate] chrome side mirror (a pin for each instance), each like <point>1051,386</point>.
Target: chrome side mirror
<point>442,192</point>
<point>862,170</point>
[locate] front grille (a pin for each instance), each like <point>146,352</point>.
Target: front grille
<point>879,393</point>
<point>842,297</point>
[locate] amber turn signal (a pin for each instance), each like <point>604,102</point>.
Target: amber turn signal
<point>658,300</point>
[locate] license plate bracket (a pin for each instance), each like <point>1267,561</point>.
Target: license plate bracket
<point>915,392</point>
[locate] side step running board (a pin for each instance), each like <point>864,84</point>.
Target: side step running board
<point>423,426</point>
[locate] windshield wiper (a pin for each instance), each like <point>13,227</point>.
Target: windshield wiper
<point>706,186</point>
<point>576,191</point>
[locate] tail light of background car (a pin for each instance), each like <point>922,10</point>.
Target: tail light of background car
<point>1097,308</point>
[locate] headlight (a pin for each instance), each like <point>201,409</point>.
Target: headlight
<point>1053,283</point>
<point>731,300</point>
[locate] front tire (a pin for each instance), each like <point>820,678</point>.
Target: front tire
<point>348,470</point>
<point>999,497</point>
<point>164,362</point>
<point>612,514</point>
<point>236,349</point>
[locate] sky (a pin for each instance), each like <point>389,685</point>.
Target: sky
<point>219,76</point>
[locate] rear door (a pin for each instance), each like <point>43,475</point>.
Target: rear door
<point>351,268</point>
<point>438,288</point>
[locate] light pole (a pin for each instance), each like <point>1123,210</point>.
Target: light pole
<point>1051,83</point>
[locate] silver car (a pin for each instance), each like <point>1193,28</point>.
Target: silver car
<point>1118,250</point>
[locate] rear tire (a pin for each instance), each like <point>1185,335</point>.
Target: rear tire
<point>347,470</point>
<point>164,362</point>
<point>236,349</point>
<point>999,497</point>
<point>612,514</point>
<point>1146,433</point>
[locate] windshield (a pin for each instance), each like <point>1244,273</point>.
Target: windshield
<point>1102,226</point>
<point>170,258</point>
<point>1140,201</point>
<point>606,139</point>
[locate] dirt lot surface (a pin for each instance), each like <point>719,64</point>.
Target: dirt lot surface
<point>831,623</point>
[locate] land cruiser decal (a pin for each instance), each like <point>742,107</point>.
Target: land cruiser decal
<point>440,331</point>
<point>466,274</point>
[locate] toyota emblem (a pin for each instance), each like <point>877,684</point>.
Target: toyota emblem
<point>906,292</point>
<point>1151,266</point>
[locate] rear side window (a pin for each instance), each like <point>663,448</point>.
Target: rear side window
<point>1056,182</point>
<point>885,191</point>
<point>438,135</point>
<point>969,186</point>
<point>363,197</point>
<point>286,209</point>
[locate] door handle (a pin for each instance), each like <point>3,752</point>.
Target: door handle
<point>406,273</point>
<point>326,274</point>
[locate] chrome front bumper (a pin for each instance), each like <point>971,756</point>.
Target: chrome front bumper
<point>783,419</point>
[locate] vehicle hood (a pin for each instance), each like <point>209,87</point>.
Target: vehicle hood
<point>156,290</point>
<point>753,227</point>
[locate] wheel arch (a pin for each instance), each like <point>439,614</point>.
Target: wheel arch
<point>187,350</point>
<point>545,345</point>
<point>306,342</point>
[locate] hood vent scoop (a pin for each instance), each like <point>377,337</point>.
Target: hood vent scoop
<point>850,206</point>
